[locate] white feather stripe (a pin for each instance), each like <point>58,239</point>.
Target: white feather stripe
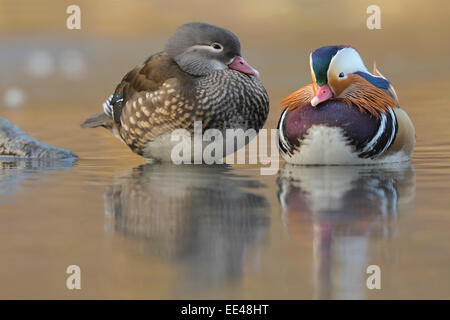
<point>282,139</point>
<point>394,92</point>
<point>375,138</point>
<point>393,132</point>
<point>107,107</point>
<point>374,141</point>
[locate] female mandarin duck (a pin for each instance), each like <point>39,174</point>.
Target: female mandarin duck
<point>346,116</point>
<point>200,76</point>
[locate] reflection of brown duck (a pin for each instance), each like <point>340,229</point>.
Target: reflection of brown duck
<point>346,209</point>
<point>204,217</point>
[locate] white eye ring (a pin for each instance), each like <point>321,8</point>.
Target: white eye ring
<point>217,47</point>
<point>341,75</point>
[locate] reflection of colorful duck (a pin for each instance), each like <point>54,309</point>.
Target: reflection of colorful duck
<point>346,209</point>
<point>346,116</point>
<point>205,217</point>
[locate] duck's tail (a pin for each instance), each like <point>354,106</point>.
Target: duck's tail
<point>99,120</point>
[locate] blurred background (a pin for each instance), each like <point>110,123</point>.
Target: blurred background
<point>45,66</point>
<point>280,243</point>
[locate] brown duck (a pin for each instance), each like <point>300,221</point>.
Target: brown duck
<point>200,76</point>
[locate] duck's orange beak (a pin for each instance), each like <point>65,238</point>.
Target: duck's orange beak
<point>323,93</point>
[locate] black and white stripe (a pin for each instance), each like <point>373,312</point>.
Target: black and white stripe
<point>283,143</point>
<point>384,136</point>
<point>108,107</point>
<point>112,107</point>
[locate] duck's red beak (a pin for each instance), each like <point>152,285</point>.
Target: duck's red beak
<point>323,93</point>
<point>239,64</point>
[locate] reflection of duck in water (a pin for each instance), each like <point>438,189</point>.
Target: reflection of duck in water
<point>205,217</point>
<point>347,209</point>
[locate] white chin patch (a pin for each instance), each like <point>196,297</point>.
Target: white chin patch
<point>315,101</point>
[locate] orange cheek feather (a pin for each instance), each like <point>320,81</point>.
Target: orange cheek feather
<point>354,90</point>
<point>299,98</point>
<point>366,96</point>
<point>338,86</point>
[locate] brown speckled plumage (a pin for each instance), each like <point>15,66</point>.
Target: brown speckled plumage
<point>222,100</point>
<point>158,97</point>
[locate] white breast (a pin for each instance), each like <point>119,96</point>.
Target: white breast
<point>324,145</point>
<point>193,150</point>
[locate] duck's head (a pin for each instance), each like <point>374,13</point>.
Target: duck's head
<point>330,69</point>
<point>201,48</point>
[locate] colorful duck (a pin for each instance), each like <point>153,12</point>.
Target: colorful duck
<point>347,115</point>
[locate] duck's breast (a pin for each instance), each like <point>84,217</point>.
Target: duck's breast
<point>232,100</point>
<point>334,133</point>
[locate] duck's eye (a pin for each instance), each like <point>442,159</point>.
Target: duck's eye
<point>341,75</point>
<point>217,46</point>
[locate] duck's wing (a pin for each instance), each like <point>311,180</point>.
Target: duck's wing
<point>156,99</point>
<point>379,81</point>
<point>368,94</point>
<point>391,89</point>
<point>405,138</point>
<point>371,94</point>
<point>299,98</point>
<point>149,77</point>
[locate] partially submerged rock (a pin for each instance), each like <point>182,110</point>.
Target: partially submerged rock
<point>16,143</point>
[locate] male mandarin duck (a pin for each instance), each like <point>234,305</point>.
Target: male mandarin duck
<point>201,76</point>
<point>347,115</point>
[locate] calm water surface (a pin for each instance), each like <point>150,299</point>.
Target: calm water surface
<point>161,231</point>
